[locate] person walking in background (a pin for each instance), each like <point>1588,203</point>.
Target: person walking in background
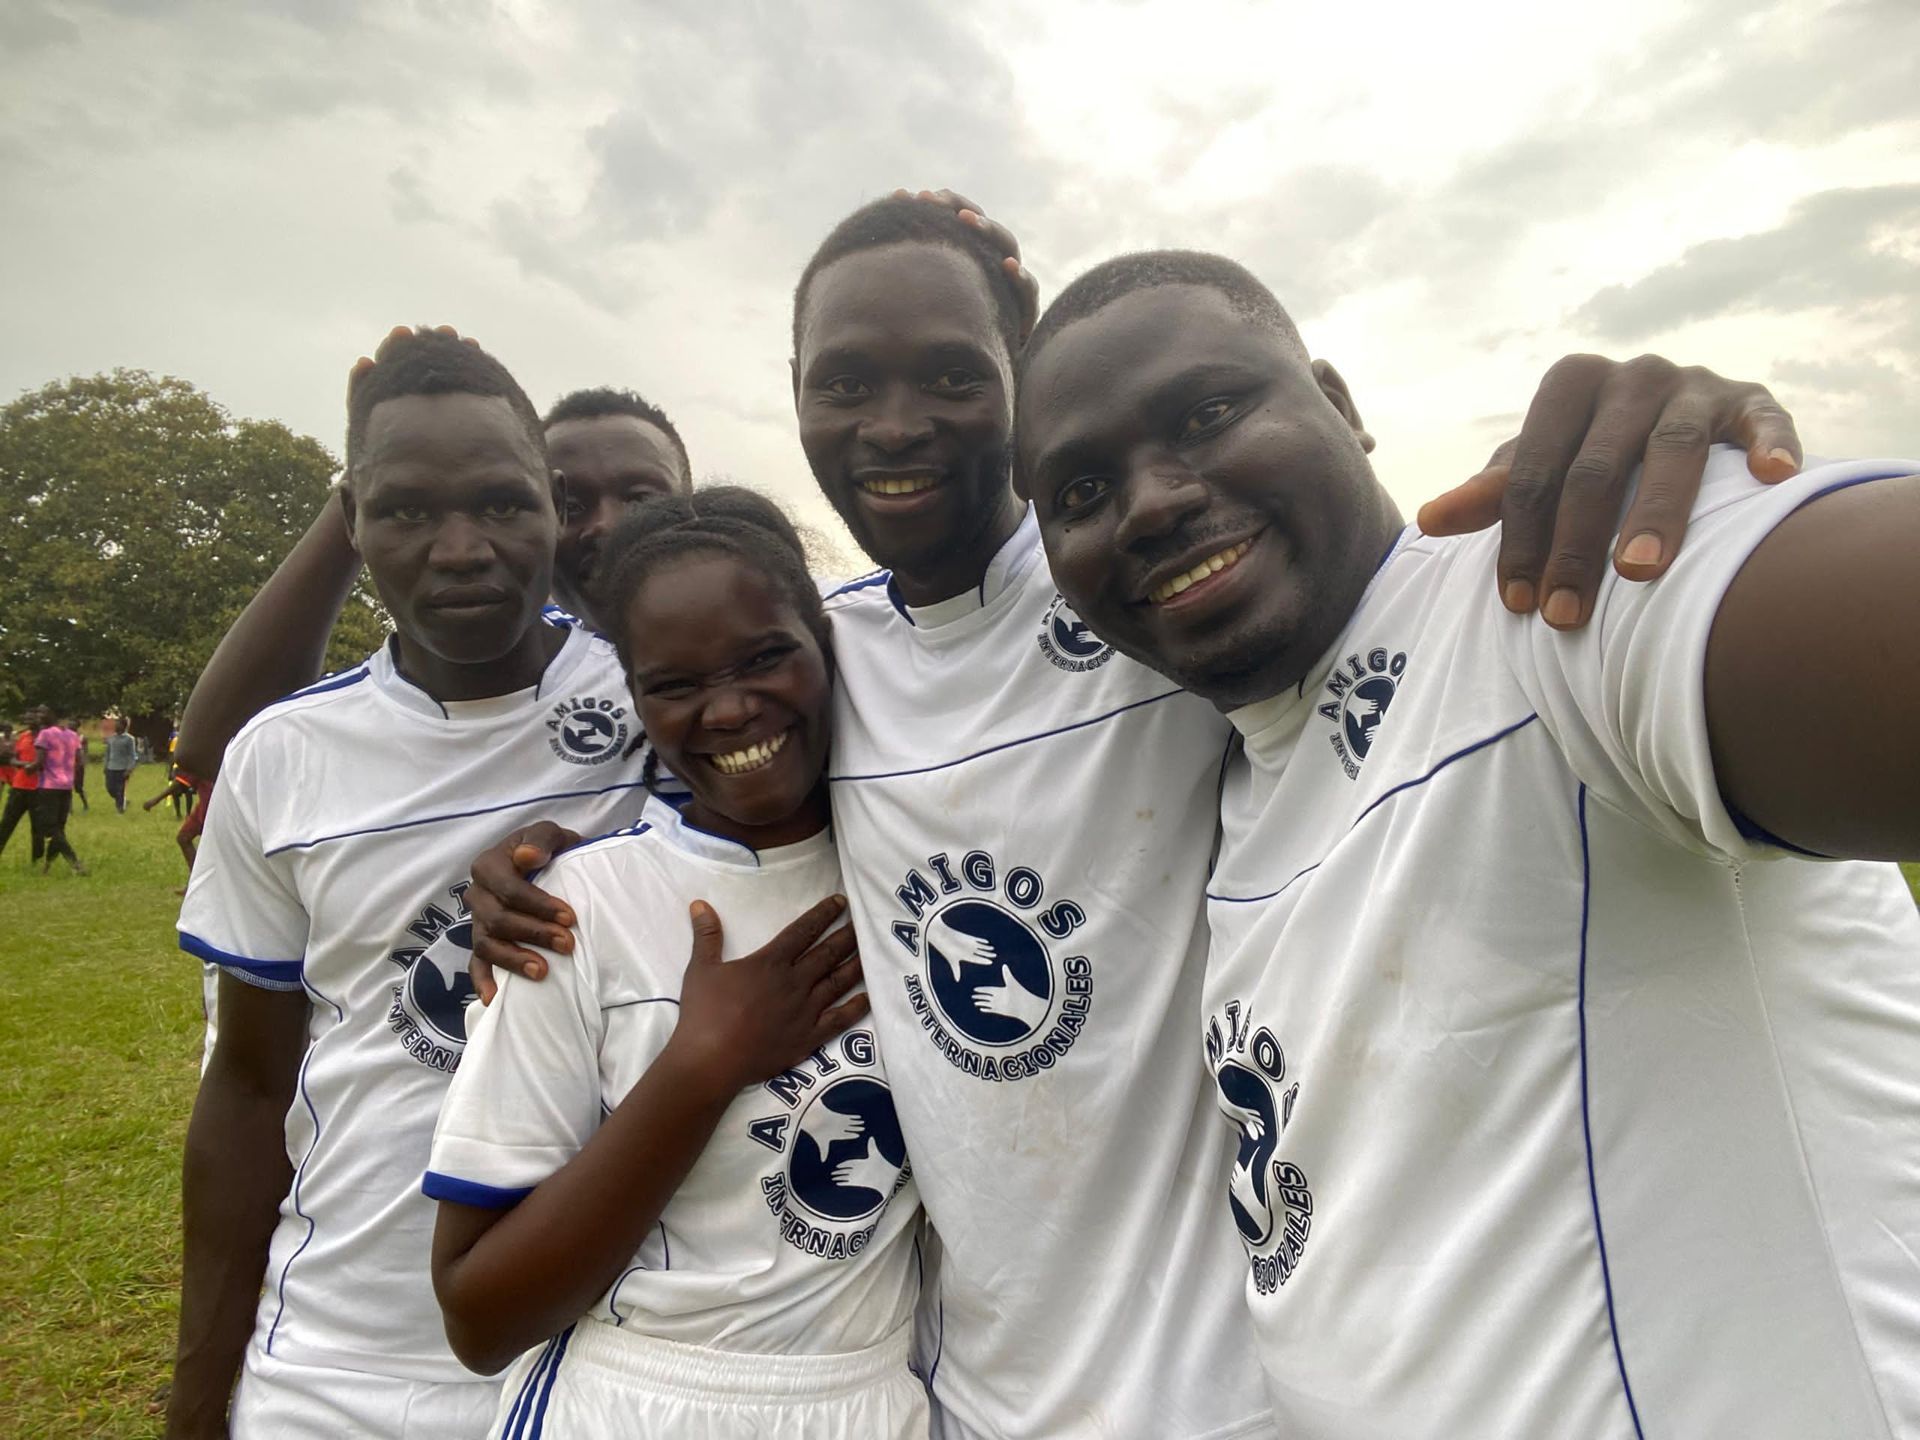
<point>121,758</point>
<point>23,783</point>
<point>59,750</point>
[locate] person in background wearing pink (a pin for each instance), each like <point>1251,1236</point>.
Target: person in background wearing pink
<point>59,750</point>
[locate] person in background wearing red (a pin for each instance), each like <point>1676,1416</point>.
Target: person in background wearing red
<point>23,782</point>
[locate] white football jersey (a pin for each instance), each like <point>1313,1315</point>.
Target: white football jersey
<point>1565,1104</point>
<point>335,857</point>
<point>794,1232</point>
<point>1026,820</point>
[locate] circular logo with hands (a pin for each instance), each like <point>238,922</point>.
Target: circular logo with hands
<point>1248,1101</point>
<point>848,1151</point>
<point>990,974</point>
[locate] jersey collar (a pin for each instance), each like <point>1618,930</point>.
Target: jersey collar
<point>683,834</point>
<point>1266,720</point>
<point>384,670</point>
<point>1010,564</point>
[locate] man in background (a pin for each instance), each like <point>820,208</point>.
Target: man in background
<point>121,758</point>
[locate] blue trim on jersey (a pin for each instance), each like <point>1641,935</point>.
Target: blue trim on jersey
<point>517,1413</point>
<point>648,1000</point>
<point>278,973</point>
<point>1759,835</point>
<point>1378,802</point>
<point>436,1186</point>
<point>1006,745</point>
<point>1586,1120</point>
<point>865,582</point>
<point>899,601</point>
<point>546,1390</point>
<point>339,680</point>
<point>639,827</point>
<point>280,1288</point>
<point>453,815</point>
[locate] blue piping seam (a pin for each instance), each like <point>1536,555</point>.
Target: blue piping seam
<point>1586,1122</point>
<point>1377,803</point>
<point>867,582</point>
<point>454,815</point>
<point>1006,745</point>
<point>340,1017</point>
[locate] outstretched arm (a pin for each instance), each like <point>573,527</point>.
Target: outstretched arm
<point>235,1177</point>
<point>276,646</point>
<point>1813,677</point>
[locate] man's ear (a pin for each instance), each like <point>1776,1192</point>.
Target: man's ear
<point>1335,389</point>
<point>350,512</point>
<point>793,372</point>
<point>557,488</point>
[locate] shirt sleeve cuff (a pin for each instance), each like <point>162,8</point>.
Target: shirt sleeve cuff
<point>268,974</point>
<point>471,1192</point>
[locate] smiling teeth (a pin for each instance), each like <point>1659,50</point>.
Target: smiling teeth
<point>899,487</point>
<point>738,762</point>
<point>1212,565</point>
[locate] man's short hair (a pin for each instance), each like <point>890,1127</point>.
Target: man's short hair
<point>604,400</point>
<point>903,220</point>
<point>427,362</point>
<point>1121,276</point>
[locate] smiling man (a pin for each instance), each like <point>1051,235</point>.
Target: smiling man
<point>1570,1095</point>
<point>331,865</point>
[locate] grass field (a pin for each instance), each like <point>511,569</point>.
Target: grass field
<point>100,1033</point>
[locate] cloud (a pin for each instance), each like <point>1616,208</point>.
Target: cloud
<point>1835,249</point>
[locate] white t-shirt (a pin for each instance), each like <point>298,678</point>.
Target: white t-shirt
<point>794,1232</point>
<point>335,860</point>
<point>1563,1107</point>
<point>1026,820</point>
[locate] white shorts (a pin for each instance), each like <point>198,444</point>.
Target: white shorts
<point>603,1381</point>
<point>281,1401</point>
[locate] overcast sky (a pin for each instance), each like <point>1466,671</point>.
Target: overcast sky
<point>1447,196</point>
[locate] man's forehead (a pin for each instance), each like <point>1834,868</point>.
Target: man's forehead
<point>455,427</point>
<point>915,285</point>
<point>1136,346</point>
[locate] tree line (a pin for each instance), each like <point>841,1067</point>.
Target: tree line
<point>137,517</point>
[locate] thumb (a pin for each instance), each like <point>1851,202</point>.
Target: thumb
<point>529,858</point>
<point>706,933</point>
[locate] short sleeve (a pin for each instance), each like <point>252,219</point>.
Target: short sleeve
<point>527,1094</point>
<point>242,911</point>
<point>1626,696</point>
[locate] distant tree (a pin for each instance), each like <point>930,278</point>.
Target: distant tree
<point>136,519</point>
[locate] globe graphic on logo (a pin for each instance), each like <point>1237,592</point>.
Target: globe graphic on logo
<point>437,998</point>
<point>1366,703</point>
<point>989,972</point>
<point>1248,1102</point>
<point>847,1151</point>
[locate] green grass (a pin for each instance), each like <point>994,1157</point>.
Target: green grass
<point>100,1026</point>
<point>100,1029</point>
